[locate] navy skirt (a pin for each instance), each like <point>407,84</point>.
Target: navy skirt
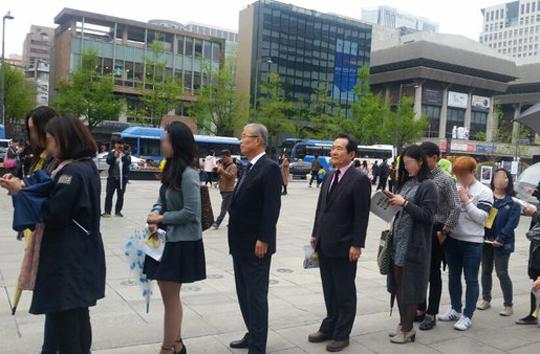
<point>182,262</point>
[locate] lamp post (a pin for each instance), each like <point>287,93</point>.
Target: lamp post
<point>2,84</point>
<point>397,142</point>
<point>258,64</point>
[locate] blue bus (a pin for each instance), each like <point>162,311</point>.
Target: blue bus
<point>144,143</point>
<point>306,150</point>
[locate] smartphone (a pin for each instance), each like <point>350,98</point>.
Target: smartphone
<point>388,194</point>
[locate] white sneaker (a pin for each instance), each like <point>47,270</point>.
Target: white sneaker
<point>463,324</point>
<point>450,315</point>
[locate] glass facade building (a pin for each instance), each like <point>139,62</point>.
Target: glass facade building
<point>122,46</point>
<point>305,47</point>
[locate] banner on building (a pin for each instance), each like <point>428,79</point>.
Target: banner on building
<point>345,70</point>
<point>481,103</point>
<point>458,99</point>
<point>432,97</point>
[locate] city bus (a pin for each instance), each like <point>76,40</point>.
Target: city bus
<point>304,152</point>
<point>144,143</point>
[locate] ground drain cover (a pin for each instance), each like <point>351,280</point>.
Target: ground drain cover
<point>215,276</point>
<point>190,288</point>
<point>284,270</point>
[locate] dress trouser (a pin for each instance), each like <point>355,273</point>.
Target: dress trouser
<point>113,184</point>
<point>338,275</point>
<point>72,330</point>
<point>435,276</point>
<point>252,278</point>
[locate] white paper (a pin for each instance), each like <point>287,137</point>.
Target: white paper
<point>154,246</point>
<point>381,207</point>
<point>523,204</point>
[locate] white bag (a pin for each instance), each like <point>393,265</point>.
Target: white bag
<point>311,259</point>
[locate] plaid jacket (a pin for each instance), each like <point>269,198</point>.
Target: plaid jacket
<point>449,204</point>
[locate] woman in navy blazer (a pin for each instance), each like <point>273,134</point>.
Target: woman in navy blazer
<point>501,240</point>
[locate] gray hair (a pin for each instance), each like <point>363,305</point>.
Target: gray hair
<point>260,131</point>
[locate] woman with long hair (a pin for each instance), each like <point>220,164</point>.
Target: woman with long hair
<point>418,196</point>
<point>501,237</point>
<point>178,210</point>
<point>285,171</point>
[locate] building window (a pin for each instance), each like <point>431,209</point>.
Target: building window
<point>433,114</point>
<point>478,123</point>
<point>455,117</point>
<point>180,44</point>
<point>189,46</point>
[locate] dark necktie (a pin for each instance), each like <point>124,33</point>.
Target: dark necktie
<point>242,179</point>
<point>334,183</point>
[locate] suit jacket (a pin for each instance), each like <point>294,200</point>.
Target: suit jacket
<point>341,219</point>
<point>254,209</point>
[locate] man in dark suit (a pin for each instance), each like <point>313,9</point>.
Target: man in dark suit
<point>253,216</point>
<point>339,234</point>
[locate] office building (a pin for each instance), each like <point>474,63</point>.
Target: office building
<point>37,45</point>
<point>455,82</point>
<point>38,73</point>
<point>390,17</point>
<point>512,28</point>
<point>122,44</point>
<point>305,47</point>
<point>14,60</point>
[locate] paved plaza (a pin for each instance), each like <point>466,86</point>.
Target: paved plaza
<point>211,313</point>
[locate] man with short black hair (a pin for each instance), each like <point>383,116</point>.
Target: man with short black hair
<point>226,171</point>
<point>446,217</point>
<point>339,234</point>
<point>119,162</point>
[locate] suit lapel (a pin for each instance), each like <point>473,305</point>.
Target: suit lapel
<point>346,179</point>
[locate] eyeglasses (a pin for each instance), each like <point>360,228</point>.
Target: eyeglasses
<point>249,136</point>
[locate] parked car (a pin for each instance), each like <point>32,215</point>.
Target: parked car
<point>300,169</point>
<point>101,162</point>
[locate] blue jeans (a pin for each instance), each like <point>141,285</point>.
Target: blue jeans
<point>463,257</point>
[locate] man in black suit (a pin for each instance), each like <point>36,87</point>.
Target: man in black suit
<point>339,234</point>
<point>253,216</point>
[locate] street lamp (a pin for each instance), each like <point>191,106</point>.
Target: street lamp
<point>2,84</point>
<point>397,142</point>
<point>258,64</point>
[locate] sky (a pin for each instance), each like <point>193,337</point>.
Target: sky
<point>454,16</point>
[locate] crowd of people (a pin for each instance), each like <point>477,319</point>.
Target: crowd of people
<point>441,221</point>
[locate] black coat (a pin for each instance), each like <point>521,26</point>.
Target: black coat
<point>342,220</point>
<point>418,254</point>
<point>254,210</point>
<point>126,162</point>
<point>71,271</point>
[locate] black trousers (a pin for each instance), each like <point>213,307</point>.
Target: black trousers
<point>314,176</point>
<point>113,185</point>
<point>72,331</point>
<point>435,276</point>
<point>252,277</point>
<point>338,275</point>
<point>50,346</point>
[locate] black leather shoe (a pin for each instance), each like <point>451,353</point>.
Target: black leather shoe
<point>240,344</point>
<point>428,323</point>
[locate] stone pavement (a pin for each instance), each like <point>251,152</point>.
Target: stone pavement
<point>212,317</point>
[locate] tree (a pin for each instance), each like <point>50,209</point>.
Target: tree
<point>370,113</point>
<point>19,96</point>
<point>407,129</point>
<point>160,91</point>
<point>274,109</point>
<point>324,115</point>
<point>218,108</point>
<point>88,95</point>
